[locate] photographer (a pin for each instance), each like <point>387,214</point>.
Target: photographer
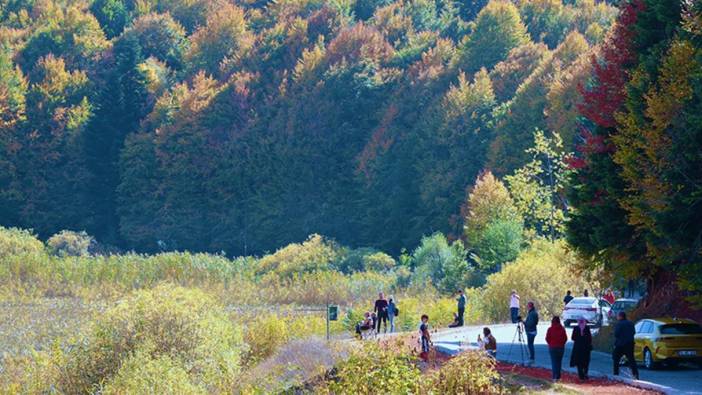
<point>514,306</point>
<point>532,320</point>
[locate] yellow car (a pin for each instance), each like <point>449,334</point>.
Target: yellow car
<point>668,340</point>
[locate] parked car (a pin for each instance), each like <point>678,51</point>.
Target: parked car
<point>595,311</point>
<point>625,305</point>
<point>667,340</point>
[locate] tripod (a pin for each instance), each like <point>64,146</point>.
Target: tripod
<point>519,339</point>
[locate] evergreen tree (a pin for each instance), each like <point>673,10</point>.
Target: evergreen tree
<point>120,107</point>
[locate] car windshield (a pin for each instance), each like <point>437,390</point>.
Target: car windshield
<point>582,301</point>
<point>623,305</point>
<point>681,329</point>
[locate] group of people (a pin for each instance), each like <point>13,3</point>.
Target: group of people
<point>556,338</point>
<point>384,311</point>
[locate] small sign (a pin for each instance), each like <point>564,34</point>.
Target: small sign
<point>333,312</point>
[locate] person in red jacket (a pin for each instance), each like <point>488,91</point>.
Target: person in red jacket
<point>556,339</point>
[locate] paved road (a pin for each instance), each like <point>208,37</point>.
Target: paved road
<point>681,380</point>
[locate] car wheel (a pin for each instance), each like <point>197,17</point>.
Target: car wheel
<point>649,363</point>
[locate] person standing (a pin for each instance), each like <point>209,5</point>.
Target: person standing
<point>586,294</point>
<point>609,296</point>
<point>530,324</point>
<point>624,333</point>
<point>582,347</point>
<point>424,334</point>
<point>461,299</point>
<point>567,298</point>
<point>514,306</point>
<point>381,309</point>
<point>392,313</point>
<point>556,339</point>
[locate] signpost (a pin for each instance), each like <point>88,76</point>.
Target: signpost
<point>332,315</point>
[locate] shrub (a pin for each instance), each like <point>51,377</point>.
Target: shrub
<point>142,374</point>
<point>541,274</point>
<point>264,334</point>
<point>15,241</point>
<point>443,264</point>
<point>183,324</point>
<point>500,242</point>
<point>471,372</point>
<point>314,254</point>
<point>372,369</point>
<point>378,262</point>
<point>69,243</point>
<point>351,260</point>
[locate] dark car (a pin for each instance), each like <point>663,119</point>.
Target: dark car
<point>625,305</point>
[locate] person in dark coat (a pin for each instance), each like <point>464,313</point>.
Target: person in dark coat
<point>582,346</point>
<point>624,333</point>
<point>530,325</point>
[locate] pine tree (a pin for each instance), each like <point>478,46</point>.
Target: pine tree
<point>121,105</point>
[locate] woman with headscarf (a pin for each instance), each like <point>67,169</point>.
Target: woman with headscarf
<point>582,346</point>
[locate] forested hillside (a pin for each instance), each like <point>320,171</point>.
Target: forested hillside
<point>241,125</point>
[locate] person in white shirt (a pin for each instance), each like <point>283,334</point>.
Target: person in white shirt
<point>514,306</point>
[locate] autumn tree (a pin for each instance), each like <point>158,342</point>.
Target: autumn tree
<point>498,29</point>
<point>492,223</point>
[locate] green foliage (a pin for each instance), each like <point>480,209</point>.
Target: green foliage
<point>69,243</point>
<point>500,242</point>
<point>212,126</point>
<point>170,325</point>
<point>441,263</point>
<point>498,29</point>
<point>378,262</point>
<point>493,225</point>
<point>539,187</point>
<point>373,369</point>
<point>541,274</point>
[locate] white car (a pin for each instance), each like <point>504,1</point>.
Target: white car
<point>595,311</point>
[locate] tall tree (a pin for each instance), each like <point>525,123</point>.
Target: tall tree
<point>498,29</point>
<point>121,105</point>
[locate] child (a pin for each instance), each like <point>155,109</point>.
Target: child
<point>424,333</point>
<point>364,325</point>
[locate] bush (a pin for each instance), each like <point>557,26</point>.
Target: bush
<point>142,374</point>
<point>264,334</point>
<point>351,260</point>
<point>184,325</point>
<point>371,370</point>
<point>443,264</point>
<point>378,262</point>
<point>15,241</point>
<point>500,242</point>
<point>315,254</point>
<point>69,243</point>
<point>541,274</point>
<point>471,372</point>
